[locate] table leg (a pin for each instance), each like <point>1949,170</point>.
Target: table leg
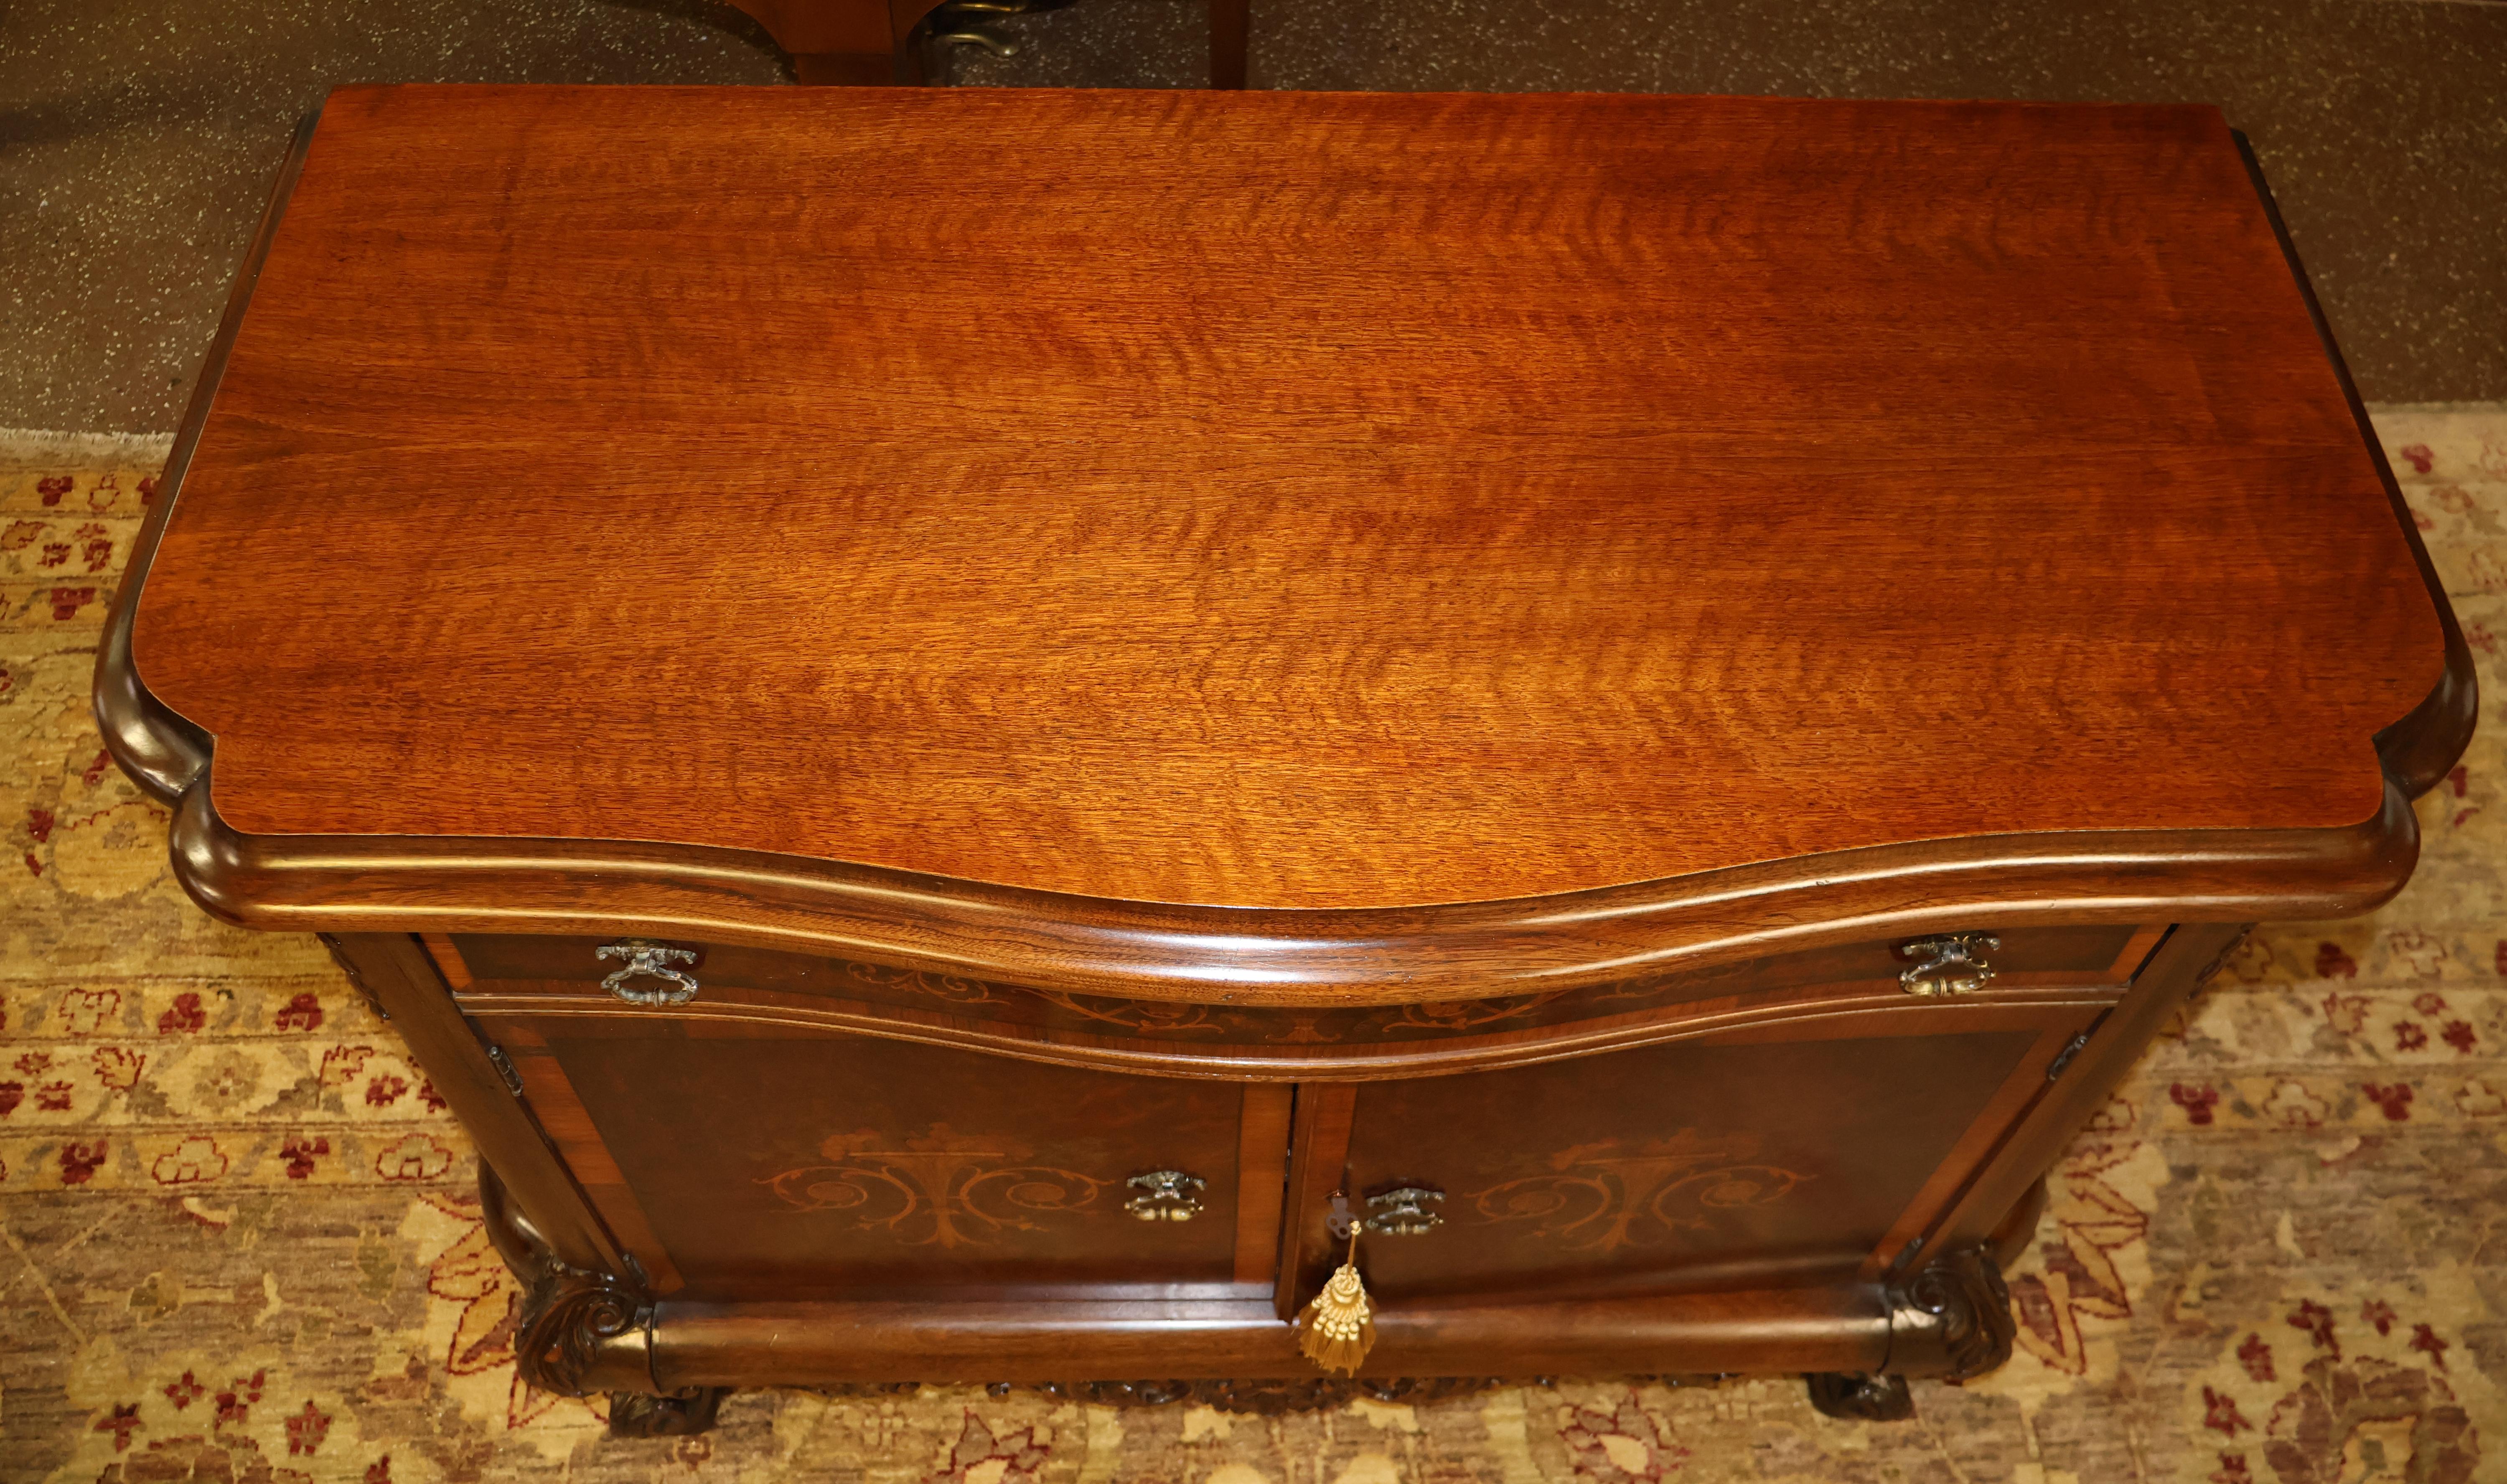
<point>845,43</point>
<point>1230,22</point>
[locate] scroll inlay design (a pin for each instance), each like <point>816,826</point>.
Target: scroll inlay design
<point>1606,1196</point>
<point>1155,1016</point>
<point>940,1189</point>
<point>947,987</point>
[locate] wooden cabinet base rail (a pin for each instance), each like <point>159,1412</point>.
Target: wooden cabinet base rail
<point>584,1332</point>
<point>1632,706</point>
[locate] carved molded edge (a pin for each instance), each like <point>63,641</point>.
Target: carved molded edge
<point>1287,956</point>
<point>161,750</point>
<point>2418,749</point>
<point>1279,957</point>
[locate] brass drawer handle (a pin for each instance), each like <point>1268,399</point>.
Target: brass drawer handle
<point>1166,1195</point>
<point>996,45</point>
<point>1950,965</point>
<point>1404,1213</point>
<point>651,961</point>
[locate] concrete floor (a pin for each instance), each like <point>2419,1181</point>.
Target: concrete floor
<point>137,136</point>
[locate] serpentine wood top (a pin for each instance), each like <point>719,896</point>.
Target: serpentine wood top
<point>1279,500</point>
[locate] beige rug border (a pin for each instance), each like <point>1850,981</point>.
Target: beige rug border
<point>23,447</point>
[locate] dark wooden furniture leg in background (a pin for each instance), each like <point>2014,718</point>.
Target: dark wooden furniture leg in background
<point>1229,21</point>
<point>847,43</point>
<point>870,42</point>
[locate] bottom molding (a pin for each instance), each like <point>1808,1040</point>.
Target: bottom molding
<point>667,1362</point>
<point>1188,1341</point>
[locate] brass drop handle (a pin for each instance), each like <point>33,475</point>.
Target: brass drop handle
<point>1165,1195</point>
<point>1405,1212</point>
<point>996,45</point>
<point>1954,964</point>
<point>648,960</point>
<point>951,23</point>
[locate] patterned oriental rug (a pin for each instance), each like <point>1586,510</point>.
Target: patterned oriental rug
<point>244,1244</point>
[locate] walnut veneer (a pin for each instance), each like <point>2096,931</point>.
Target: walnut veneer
<point>1440,660</point>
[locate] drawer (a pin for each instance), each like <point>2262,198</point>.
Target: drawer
<point>1680,1163</point>
<point>513,973</point>
<point>738,1162</point>
<point>1810,1153</point>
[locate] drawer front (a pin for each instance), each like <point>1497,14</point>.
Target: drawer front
<point>1700,1163</point>
<point>513,969</point>
<point>745,1166</point>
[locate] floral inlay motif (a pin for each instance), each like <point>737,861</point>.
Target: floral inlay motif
<point>1613,1194</point>
<point>941,1188</point>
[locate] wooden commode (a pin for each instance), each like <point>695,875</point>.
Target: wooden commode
<point>1646,698</point>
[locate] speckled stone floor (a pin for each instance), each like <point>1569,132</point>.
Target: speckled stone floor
<point>138,137</point>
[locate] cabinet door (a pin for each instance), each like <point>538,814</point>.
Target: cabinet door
<point>1698,1164</point>
<point>747,1166</point>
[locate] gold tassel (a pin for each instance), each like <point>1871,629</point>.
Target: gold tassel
<point>1339,1325</point>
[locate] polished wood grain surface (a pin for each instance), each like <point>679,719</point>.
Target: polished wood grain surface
<point>1356,501</point>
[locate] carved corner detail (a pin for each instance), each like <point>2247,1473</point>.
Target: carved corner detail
<point>1964,1294</point>
<point>1951,1320</point>
<point>570,1315</point>
<point>566,1317</point>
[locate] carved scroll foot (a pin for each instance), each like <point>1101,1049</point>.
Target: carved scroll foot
<point>1857,1397</point>
<point>1958,1310</point>
<point>568,1314</point>
<point>633,1414</point>
<point>1953,1321</point>
<point>567,1319</point>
